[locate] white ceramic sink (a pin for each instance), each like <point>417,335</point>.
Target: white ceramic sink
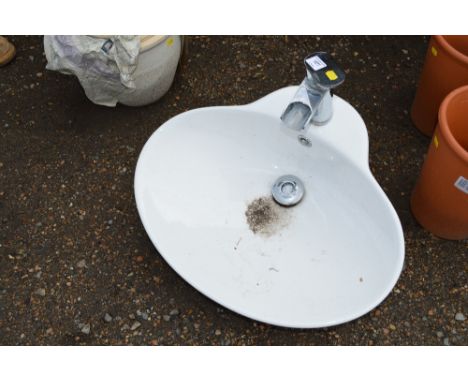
<point>203,190</point>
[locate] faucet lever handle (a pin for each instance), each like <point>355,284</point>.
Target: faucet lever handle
<point>323,70</point>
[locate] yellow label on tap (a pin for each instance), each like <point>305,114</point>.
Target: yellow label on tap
<point>331,75</point>
<point>436,141</point>
<point>169,41</point>
<point>434,51</point>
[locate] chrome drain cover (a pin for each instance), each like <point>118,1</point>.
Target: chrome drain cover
<point>288,190</point>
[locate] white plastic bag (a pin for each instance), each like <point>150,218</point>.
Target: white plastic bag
<point>104,66</point>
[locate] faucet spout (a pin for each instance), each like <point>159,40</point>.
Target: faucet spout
<point>312,102</point>
<point>309,103</point>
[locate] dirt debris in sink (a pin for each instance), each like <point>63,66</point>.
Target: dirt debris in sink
<point>265,217</point>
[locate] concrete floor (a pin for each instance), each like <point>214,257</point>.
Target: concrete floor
<point>76,266</point>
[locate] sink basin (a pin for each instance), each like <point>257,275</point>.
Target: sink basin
<point>203,191</point>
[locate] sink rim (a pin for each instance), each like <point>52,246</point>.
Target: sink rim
<point>264,106</point>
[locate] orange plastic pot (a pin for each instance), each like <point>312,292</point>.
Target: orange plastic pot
<point>445,69</point>
<point>440,199</point>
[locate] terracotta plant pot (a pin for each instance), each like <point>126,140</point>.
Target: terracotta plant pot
<point>440,198</point>
<point>445,69</point>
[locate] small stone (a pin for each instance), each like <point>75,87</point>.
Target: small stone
<point>174,312</point>
<point>107,317</point>
<point>386,331</point>
<point>31,58</point>
<point>446,341</point>
<point>22,335</point>
<point>135,325</point>
<point>125,327</point>
<point>40,292</point>
<point>139,259</point>
<point>81,264</point>
<point>144,316</point>
<point>39,74</point>
<point>166,318</point>
<point>154,342</point>
<point>217,332</point>
<point>86,328</point>
<point>49,331</point>
<point>440,334</point>
<point>404,51</point>
<point>196,326</point>
<point>392,327</point>
<point>460,316</point>
<point>110,221</point>
<point>131,316</point>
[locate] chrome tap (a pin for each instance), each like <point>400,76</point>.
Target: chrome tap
<point>312,102</point>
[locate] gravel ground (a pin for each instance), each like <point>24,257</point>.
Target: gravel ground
<point>76,266</point>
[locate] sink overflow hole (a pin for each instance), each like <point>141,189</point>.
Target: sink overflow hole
<point>304,140</point>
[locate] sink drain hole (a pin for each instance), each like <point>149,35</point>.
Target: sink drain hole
<point>287,187</point>
<point>288,190</point>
